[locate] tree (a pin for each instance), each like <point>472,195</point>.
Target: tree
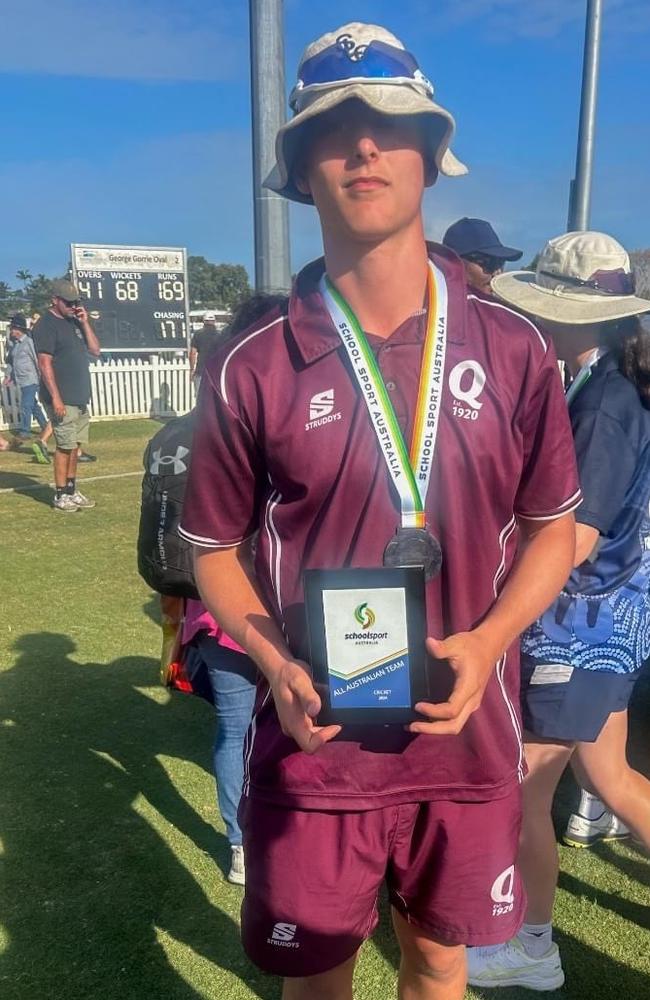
<point>216,286</point>
<point>25,276</point>
<point>39,292</point>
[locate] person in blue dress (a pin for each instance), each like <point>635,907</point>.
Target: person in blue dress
<point>582,658</point>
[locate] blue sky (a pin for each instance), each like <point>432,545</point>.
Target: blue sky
<point>127,121</point>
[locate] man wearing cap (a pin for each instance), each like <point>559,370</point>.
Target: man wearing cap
<point>64,341</point>
<point>287,446</point>
<point>24,372</point>
<point>203,344</point>
<point>481,251</point>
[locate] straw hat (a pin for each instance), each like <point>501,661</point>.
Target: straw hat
<point>366,62</point>
<point>581,277</point>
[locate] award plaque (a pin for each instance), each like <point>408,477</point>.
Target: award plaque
<point>367,631</point>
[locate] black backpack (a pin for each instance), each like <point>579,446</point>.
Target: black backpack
<point>164,558</point>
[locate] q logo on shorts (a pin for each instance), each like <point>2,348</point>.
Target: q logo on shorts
<point>502,892</point>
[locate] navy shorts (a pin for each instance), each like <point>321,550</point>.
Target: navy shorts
<point>568,703</point>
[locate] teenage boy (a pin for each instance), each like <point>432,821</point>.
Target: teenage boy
<point>64,341</point>
<point>286,445</point>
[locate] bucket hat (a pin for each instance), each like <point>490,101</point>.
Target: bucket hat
<point>366,62</point>
<point>582,277</point>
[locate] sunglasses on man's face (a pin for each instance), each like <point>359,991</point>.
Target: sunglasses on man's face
<point>70,303</point>
<point>488,264</point>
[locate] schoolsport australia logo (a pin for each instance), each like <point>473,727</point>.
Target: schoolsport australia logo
<point>321,406</point>
<point>365,616</point>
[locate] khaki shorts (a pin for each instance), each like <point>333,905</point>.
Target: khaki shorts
<point>72,429</point>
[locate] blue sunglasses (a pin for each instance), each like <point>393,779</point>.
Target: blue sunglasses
<point>345,61</point>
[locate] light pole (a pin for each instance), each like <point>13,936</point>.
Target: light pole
<point>580,195</point>
<point>271,212</point>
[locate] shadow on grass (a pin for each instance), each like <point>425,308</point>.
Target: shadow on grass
<point>27,486</point>
<point>92,888</point>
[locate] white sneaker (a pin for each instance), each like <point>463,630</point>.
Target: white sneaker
<point>582,832</point>
<point>237,873</point>
<point>81,501</point>
<point>511,965</point>
<point>65,502</point>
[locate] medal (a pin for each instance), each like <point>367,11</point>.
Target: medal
<point>414,547</point>
<point>410,473</point>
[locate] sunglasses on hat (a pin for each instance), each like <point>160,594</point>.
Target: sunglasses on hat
<point>345,61</point>
<point>617,282</point>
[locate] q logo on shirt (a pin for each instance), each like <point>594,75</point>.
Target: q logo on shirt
<point>466,389</point>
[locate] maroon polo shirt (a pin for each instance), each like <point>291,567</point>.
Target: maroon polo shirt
<point>284,445</point>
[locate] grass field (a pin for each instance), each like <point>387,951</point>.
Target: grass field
<point>112,856</point>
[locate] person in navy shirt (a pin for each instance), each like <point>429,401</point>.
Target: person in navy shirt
<point>582,657</point>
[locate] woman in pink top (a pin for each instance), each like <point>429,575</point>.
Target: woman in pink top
<point>232,676</point>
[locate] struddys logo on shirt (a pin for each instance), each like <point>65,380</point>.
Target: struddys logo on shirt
<point>367,648</point>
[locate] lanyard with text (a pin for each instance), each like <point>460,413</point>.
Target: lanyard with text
<point>411,475</point>
<point>584,374</point>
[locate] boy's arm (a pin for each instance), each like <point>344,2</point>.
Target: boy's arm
<point>544,563</point>
<point>227,586</point>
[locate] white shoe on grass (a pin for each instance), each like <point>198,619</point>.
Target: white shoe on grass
<point>65,502</point>
<point>81,501</point>
<point>511,965</point>
<point>237,873</point>
<point>583,832</point>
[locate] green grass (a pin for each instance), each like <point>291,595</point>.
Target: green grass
<point>112,856</point>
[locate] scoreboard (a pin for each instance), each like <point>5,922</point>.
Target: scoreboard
<point>137,297</point>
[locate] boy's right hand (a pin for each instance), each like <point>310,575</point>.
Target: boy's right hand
<point>297,704</point>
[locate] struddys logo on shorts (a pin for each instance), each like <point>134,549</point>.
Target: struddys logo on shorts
<point>502,892</point>
<point>282,936</point>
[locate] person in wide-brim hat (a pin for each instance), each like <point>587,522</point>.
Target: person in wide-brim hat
<point>376,69</point>
<point>582,657</point>
<point>580,278</point>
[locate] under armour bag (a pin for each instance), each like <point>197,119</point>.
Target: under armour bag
<point>164,558</point>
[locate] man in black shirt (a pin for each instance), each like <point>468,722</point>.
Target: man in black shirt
<point>203,344</point>
<point>64,340</point>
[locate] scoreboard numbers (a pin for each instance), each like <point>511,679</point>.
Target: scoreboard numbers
<point>137,297</point>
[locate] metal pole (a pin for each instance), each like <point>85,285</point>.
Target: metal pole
<point>580,196</point>
<point>272,255</point>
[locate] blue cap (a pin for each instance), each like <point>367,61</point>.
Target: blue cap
<point>469,236</point>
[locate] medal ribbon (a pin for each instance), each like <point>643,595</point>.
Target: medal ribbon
<point>411,474</point>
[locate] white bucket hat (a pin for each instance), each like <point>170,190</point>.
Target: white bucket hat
<point>366,62</point>
<point>581,278</point>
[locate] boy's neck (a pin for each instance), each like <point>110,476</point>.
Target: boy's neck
<point>384,283</point>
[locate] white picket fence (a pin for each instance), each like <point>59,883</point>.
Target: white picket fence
<point>156,387</point>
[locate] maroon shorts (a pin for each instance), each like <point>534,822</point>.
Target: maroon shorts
<point>312,879</point>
